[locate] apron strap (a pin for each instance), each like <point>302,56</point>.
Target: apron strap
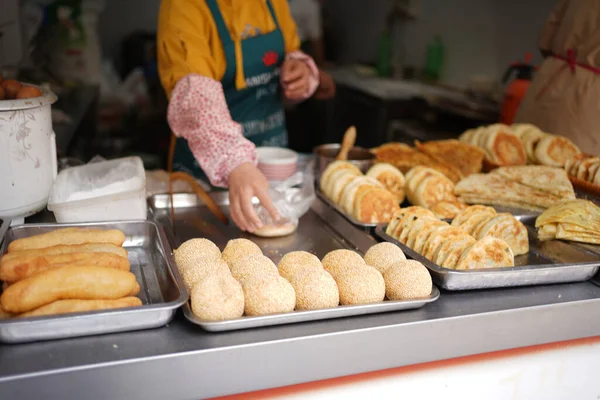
<point>226,39</point>
<point>220,22</point>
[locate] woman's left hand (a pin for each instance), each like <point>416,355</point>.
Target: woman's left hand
<point>295,75</point>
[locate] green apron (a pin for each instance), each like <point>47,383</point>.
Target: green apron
<point>258,108</point>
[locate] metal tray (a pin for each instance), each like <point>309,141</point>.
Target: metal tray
<point>305,316</point>
<point>320,230</point>
<point>162,290</point>
<point>369,227</point>
<point>552,261</point>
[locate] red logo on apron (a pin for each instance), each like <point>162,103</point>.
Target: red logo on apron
<point>270,58</point>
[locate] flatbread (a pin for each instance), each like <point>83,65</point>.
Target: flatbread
<point>496,189</point>
<point>546,179</point>
<point>438,238</point>
<point>488,252</point>
<point>506,227</point>
<point>390,177</point>
<point>375,205</point>
<point>451,251</point>
<point>413,227</point>
<point>337,183</point>
<point>555,150</point>
<point>578,212</point>
<point>584,166</point>
<point>411,213</point>
<point>432,190</point>
<point>422,237</point>
<point>416,236</point>
<point>415,176</point>
<point>475,221</point>
<point>349,193</point>
<point>466,213</point>
<point>503,146</point>
<point>448,209</point>
<point>332,168</point>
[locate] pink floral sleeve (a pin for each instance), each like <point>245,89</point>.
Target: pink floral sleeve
<point>313,82</point>
<point>198,112</point>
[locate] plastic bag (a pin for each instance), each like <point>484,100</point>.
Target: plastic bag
<point>292,198</point>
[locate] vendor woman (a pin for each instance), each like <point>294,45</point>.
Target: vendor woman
<point>226,66</point>
<point>564,97</point>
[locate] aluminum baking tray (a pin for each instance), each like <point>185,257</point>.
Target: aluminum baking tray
<point>320,230</point>
<point>306,316</point>
<point>369,227</point>
<point>547,262</point>
<point>161,288</point>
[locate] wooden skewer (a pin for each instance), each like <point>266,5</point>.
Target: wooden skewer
<point>347,143</point>
<point>210,203</point>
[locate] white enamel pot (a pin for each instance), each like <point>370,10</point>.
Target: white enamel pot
<point>28,163</point>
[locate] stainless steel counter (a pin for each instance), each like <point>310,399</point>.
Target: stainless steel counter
<point>183,361</point>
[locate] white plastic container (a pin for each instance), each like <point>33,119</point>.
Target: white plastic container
<point>104,191</point>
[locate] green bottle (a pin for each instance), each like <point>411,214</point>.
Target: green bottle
<point>435,59</point>
<point>384,54</point>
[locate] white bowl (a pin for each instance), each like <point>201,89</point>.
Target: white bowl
<point>277,164</point>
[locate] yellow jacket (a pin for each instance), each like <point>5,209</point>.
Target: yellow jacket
<point>188,41</point>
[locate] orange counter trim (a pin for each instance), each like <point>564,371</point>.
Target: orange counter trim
<point>345,380</point>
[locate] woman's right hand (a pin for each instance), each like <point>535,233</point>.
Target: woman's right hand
<point>245,182</point>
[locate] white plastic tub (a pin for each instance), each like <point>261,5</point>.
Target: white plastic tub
<point>104,191</point>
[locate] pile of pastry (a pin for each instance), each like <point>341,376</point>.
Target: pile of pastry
<point>520,144</point>
<point>532,187</point>
<point>67,270</point>
<point>476,238</point>
<point>370,198</point>
<point>243,281</point>
<point>576,220</point>
<point>585,168</point>
<point>429,188</point>
<point>452,158</point>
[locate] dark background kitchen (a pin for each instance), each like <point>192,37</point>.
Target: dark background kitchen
<point>125,114</point>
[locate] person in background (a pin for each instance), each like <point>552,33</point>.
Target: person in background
<point>564,96</point>
<point>225,65</point>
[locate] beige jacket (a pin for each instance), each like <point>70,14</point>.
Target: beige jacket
<point>561,101</point>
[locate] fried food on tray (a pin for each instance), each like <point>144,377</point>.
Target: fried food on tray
<point>532,188</point>
<point>68,249</point>
<point>543,178</point>
<point>383,255</point>
<point>448,208</point>
<point>500,144</point>
<point>405,158</point>
<point>315,289</point>
<point>70,282</point>
<point>575,220</point>
<point>16,268</point>
<point>217,298</point>
<point>488,252</point>
<point>427,187</point>
<point>482,221</point>
<point>467,158</point>
<point>360,284</point>
<point>451,246</point>
<point>68,236</point>
<point>375,205</point>
<point>555,150</point>
<point>268,294</point>
<point>530,135</point>
<point>584,168</point>
<point>391,178</point>
<point>364,197</point>
<point>72,306</point>
<point>407,280</point>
